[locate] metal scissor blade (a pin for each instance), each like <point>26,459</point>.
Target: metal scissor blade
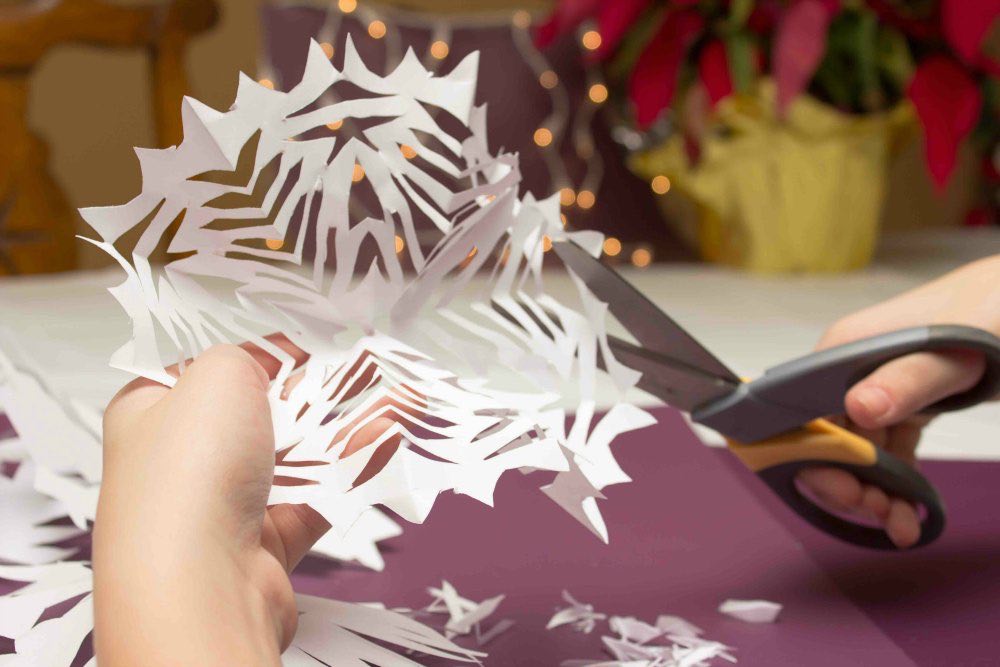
<point>649,325</point>
<point>678,385</point>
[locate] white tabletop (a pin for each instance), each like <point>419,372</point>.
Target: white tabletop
<point>70,324</point>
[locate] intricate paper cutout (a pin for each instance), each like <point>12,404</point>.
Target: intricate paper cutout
<point>407,333</point>
<point>271,224</point>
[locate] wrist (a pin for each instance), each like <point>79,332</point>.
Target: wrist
<point>169,596</point>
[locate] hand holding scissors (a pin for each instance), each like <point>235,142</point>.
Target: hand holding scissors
<point>775,424</point>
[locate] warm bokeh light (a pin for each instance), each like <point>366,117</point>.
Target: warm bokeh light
<point>585,199</point>
<point>359,173</point>
<point>567,196</point>
<point>598,93</point>
<point>347,6</point>
<point>546,244</point>
<point>335,125</point>
<point>543,136</point>
<point>327,49</point>
<point>521,18</point>
<point>565,220</point>
<point>274,244</point>
<point>439,49</point>
<point>612,246</point>
<point>376,29</point>
<point>399,243</point>
<point>548,79</point>
<point>660,184</point>
<point>408,151</point>
<point>267,83</point>
<point>641,257</point>
<point>591,40</point>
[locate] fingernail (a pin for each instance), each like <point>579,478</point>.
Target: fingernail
<point>875,401</point>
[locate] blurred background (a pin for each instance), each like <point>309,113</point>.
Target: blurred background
<point>772,135</point>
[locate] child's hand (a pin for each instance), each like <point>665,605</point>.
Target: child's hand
<point>885,406</point>
<point>190,565</point>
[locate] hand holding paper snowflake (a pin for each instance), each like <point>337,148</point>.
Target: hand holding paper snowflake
<point>404,273</point>
<point>381,272</point>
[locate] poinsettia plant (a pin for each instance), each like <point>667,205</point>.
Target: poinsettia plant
<point>859,56</point>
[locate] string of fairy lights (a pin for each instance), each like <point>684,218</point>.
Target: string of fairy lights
<point>383,25</point>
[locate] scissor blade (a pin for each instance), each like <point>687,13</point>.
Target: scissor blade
<point>679,386</point>
<point>651,327</point>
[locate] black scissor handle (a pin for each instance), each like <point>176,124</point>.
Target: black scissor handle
<point>813,386</point>
<point>820,443</point>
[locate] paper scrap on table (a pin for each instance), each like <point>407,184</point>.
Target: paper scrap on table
<point>751,611</point>
<point>466,616</point>
<point>330,632</point>
<point>670,642</point>
<point>580,616</point>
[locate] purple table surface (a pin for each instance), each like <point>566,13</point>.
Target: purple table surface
<point>685,535</point>
<point>940,604</point>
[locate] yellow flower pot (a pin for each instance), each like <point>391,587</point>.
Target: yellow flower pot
<point>799,194</point>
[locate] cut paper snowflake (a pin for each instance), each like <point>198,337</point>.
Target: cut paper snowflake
<point>24,518</point>
<point>360,543</point>
<point>379,235</point>
<point>55,641</point>
<point>59,435</point>
<point>330,632</point>
<point>396,255</point>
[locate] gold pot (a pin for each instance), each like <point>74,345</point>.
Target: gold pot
<point>803,193</point>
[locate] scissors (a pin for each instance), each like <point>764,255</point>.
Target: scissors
<point>775,424</point>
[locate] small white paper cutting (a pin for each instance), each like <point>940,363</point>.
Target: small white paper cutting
<point>751,611</point>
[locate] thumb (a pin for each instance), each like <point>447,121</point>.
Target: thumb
<point>905,386</point>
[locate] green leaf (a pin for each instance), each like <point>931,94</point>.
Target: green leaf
<point>871,97</point>
<point>739,12</point>
<point>739,53</point>
<point>895,61</point>
<point>634,42</point>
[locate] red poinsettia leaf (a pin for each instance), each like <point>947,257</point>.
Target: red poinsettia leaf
<point>654,79</point>
<point>713,69</point>
<point>567,15</point>
<point>546,33</point>
<point>764,17</point>
<point>966,23</point>
<point>798,48</point>
<point>613,21</point>
<point>919,27</point>
<point>979,217</point>
<point>948,102</point>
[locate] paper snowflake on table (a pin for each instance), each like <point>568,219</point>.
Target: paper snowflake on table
<point>365,219</point>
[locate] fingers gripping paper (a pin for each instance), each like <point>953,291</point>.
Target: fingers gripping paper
<point>400,260</point>
<point>396,257</point>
